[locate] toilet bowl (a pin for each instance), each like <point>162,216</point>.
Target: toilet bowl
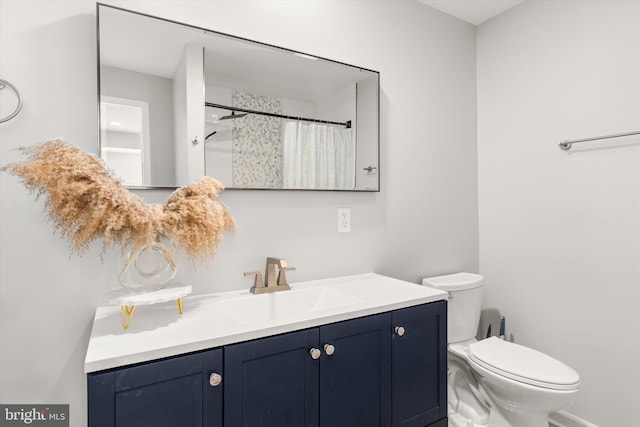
<point>493,382</point>
<point>521,385</point>
<point>466,407</point>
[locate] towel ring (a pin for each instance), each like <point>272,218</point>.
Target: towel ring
<point>3,84</point>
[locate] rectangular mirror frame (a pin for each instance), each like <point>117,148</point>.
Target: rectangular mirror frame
<point>372,134</point>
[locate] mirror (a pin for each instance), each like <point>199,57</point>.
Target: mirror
<point>178,102</point>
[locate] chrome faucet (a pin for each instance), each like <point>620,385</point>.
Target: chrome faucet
<point>273,282</point>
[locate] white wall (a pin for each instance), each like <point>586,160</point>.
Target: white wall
<point>560,232</point>
<point>423,222</point>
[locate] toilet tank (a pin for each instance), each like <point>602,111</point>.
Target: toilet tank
<point>465,301</point>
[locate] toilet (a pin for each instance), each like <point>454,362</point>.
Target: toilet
<point>493,382</point>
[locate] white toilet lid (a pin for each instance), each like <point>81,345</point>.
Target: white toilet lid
<point>523,364</point>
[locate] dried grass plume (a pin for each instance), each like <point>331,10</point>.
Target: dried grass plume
<point>86,202</point>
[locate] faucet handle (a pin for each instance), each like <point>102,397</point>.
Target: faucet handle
<point>282,279</point>
<point>258,282</point>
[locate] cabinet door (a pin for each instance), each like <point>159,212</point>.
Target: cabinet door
<point>440,423</point>
<point>272,382</point>
<point>355,381</point>
<point>419,369</point>
<point>171,392</point>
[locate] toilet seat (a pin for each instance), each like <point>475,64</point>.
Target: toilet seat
<point>523,364</point>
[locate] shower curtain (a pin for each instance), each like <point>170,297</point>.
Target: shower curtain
<point>318,156</point>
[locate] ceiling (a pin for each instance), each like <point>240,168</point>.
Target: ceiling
<point>473,11</point>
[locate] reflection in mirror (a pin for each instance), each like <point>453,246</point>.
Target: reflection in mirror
<point>125,132</point>
<point>266,149</point>
<point>270,118</point>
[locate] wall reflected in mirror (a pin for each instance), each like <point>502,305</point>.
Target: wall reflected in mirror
<point>125,134</point>
<point>253,116</point>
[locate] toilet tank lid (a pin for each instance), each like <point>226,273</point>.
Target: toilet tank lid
<point>454,282</point>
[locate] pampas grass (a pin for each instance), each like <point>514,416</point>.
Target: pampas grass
<point>85,202</point>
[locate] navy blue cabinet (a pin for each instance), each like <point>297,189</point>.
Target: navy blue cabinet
<point>171,392</point>
<point>382,370</point>
<point>272,382</point>
<point>355,372</point>
<point>440,423</point>
<point>337,375</point>
<point>419,365</point>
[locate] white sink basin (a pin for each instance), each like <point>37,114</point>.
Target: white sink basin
<point>285,304</point>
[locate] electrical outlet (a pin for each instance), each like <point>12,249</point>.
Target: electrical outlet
<point>344,220</point>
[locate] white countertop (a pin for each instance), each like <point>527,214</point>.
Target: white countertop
<point>218,319</point>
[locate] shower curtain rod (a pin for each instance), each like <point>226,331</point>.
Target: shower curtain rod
<point>566,145</point>
<point>346,124</point>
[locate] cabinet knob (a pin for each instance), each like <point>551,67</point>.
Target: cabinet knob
<point>399,331</point>
<point>329,349</point>
<point>195,140</point>
<point>315,353</point>
<point>215,379</point>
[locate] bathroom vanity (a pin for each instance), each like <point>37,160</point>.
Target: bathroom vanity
<point>364,350</point>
